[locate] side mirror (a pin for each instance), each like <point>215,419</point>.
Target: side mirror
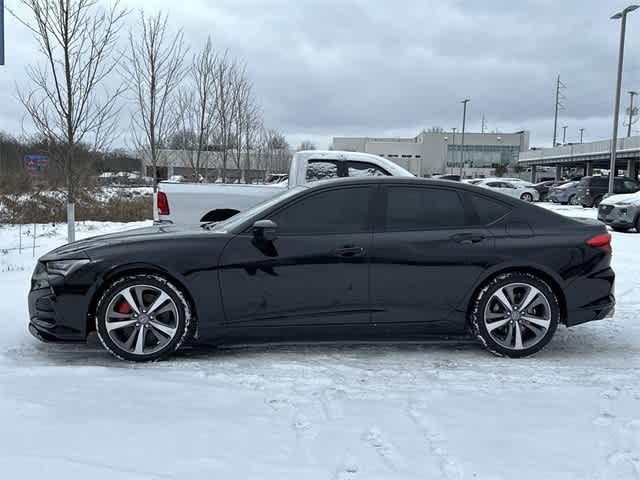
<point>265,230</point>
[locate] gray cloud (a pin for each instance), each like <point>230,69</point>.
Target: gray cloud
<point>324,68</point>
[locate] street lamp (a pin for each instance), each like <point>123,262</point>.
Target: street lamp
<point>581,134</point>
<point>464,121</point>
<point>616,111</point>
<point>453,152</point>
<point>564,134</point>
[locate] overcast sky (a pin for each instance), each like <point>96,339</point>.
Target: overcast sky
<point>372,67</point>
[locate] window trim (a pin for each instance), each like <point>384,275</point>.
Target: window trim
<point>382,205</point>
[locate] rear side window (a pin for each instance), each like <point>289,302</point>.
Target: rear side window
<point>344,210</point>
<point>363,169</point>
<point>416,208</point>
<point>487,209</point>
<point>321,170</point>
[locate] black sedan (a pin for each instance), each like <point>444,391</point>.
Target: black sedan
<point>346,259</point>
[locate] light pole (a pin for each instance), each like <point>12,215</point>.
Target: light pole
<point>453,152</point>
<point>631,95</point>
<point>564,134</point>
<point>464,121</point>
<point>581,134</point>
<point>622,16</point>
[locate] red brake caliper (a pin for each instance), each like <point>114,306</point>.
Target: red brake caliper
<point>123,307</point>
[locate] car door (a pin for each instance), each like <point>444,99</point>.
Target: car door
<point>427,253</point>
<point>315,272</point>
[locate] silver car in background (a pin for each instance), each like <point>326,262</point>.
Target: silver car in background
<point>517,188</point>
<point>621,212</point>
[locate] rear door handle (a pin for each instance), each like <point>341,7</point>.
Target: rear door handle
<point>349,251</point>
<point>468,238</point>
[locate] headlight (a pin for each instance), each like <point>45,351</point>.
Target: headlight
<point>64,267</point>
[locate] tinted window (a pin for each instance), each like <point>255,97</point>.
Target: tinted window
<point>630,186</point>
<point>362,169</point>
<point>414,208</point>
<point>321,170</point>
<point>487,209</point>
<point>344,210</point>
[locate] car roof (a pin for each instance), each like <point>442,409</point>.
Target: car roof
<point>413,181</point>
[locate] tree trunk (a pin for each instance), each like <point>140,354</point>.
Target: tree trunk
<point>71,221</point>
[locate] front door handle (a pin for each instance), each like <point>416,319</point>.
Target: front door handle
<point>468,238</point>
<point>349,251</point>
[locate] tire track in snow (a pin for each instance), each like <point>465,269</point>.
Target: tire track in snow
<point>385,449</point>
<point>436,442</point>
<point>623,457</point>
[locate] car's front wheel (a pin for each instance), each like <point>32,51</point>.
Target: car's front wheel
<point>515,314</point>
<point>143,318</point>
<point>572,200</point>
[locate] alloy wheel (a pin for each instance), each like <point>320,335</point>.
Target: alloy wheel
<point>141,319</point>
<point>517,316</point>
<point>527,197</point>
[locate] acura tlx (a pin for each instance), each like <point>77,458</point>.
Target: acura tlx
<point>369,258</point>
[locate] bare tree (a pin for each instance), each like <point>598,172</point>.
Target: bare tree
<point>306,145</point>
<point>153,68</point>
<point>65,100</point>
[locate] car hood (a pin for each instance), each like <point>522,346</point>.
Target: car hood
<point>83,248</point>
<point>629,198</point>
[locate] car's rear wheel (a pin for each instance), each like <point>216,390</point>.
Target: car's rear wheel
<point>515,315</point>
<point>527,197</point>
<point>638,224</point>
<point>143,318</point>
<point>596,201</point>
<point>572,200</point>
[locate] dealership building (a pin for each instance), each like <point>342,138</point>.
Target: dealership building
<point>431,153</point>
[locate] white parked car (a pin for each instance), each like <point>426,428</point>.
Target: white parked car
<point>513,189</point>
<point>191,203</point>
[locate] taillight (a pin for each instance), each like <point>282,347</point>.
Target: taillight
<point>602,241</point>
<point>163,204</point>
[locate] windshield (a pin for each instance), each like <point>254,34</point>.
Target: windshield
<point>242,217</point>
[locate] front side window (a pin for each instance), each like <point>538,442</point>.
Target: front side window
<point>344,210</point>
<point>419,208</point>
<point>363,169</point>
<point>321,170</point>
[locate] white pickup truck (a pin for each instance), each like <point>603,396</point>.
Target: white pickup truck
<point>190,203</point>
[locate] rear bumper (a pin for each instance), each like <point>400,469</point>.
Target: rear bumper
<point>605,308</point>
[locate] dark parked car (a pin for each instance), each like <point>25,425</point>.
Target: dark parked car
<point>591,190</point>
<point>356,258</point>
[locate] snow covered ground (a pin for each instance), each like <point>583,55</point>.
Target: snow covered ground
<point>410,411</point>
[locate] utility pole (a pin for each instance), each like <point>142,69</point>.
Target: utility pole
<point>564,134</point>
<point>1,32</point>
<point>581,134</point>
<point>453,152</point>
<point>483,124</point>
<point>464,121</point>
<point>559,106</point>
<point>622,16</point>
<point>631,95</point>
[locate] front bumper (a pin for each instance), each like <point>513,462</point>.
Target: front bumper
<point>46,318</point>
<point>618,216</point>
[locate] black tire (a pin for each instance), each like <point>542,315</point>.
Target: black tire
<point>526,197</point>
<point>572,200</point>
<point>184,323</point>
<point>479,305</point>
<point>638,224</point>
<point>596,202</point>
